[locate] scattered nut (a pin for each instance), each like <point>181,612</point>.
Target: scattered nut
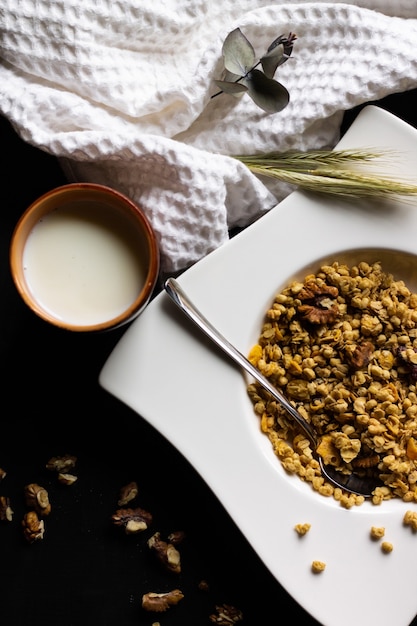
<point>387,547</point>
<point>133,520</point>
<point>166,553</point>
<point>203,585</point>
<point>377,532</point>
<point>226,615</point>
<point>176,537</point>
<point>61,463</point>
<point>128,493</point>
<point>3,473</point>
<point>6,513</point>
<point>160,602</point>
<point>67,479</point>
<point>410,519</point>
<point>33,527</point>
<point>317,567</point>
<point>302,529</point>
<point>37,497</point>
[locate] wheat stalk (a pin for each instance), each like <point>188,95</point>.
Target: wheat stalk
<point>326,171</point>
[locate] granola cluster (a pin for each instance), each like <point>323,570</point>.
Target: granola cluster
<point>342,346</point>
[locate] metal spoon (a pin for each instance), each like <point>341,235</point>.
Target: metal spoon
<point>349,482</point>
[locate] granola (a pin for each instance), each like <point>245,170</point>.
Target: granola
<point>342,346</point>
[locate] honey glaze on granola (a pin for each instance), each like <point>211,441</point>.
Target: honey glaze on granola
<point>342,346</point>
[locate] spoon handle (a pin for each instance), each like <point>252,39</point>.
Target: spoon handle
<point>175,292</point>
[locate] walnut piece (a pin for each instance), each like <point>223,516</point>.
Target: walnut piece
<point>61,463</point>
<point>37,498</point>
<point>318,304</point>
<point>166,553</point>
<point>226,615</point>
<point>33,527</point>
<point>366,461</point>
<point>67,479</point>
<point>133,520</point>
<point>3,473</point>
<point>203,585</point>
<point>128,493</point>
<point>6,513</point>
<point>176,537</point>
<point>360,357</point>
<point>160,602</point>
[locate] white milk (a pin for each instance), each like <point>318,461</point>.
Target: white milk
<point>84,264</point>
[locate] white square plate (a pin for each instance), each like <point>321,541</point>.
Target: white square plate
<point>165,370</point>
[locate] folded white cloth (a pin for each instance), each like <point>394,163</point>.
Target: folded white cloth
<point>120,91</point>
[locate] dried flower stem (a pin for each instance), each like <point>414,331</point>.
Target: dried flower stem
<point>326,171</point>
<point>293,159</point>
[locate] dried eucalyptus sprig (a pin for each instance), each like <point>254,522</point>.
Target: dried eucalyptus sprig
<point>327,171</point>
<point>241,74</point>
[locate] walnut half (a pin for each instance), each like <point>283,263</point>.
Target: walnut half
<point>37,498</point>
<point>160,602</point>
<point>226,615</point>
<point>61,463</point>
<point>67,479</point>
<point>166,553</point>
<point>6,513</point>
<point>133,520</point>
<point>128,493</point>
<point>318,303</point>
<point>33,527</point>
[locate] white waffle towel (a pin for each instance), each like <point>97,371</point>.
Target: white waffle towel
<point>120,91</point>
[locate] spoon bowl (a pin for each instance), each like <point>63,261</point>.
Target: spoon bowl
<point>352,483</point>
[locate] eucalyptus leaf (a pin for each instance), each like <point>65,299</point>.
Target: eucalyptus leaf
<point>231,88</point>
<point>241,75</point>
<point>267,93</point>
<point>272,59</point>
<point>230,77</point>
<point>279,41</point>
<point>238,53</point>
<point>278,53</point>
<point>287,42</point>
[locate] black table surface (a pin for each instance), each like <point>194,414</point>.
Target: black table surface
<point>86,570</point>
